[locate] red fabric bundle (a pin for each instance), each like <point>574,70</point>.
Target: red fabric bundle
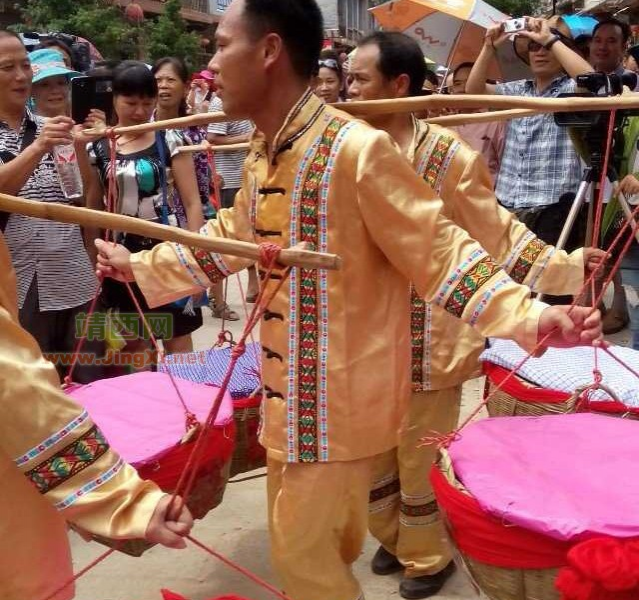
<point>601,569</point>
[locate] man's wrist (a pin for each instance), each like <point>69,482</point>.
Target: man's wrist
<point>548,44</point>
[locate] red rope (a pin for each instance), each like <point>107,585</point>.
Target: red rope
<point>72,580</point>
<point>596,232</point>
<point>268,257</point>
<point>245,572</point>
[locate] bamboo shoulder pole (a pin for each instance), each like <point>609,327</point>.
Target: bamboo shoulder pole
<point>177,123</point>
<point>380,107</point>
<point>294,257</point>
<point>483,117</point>
<point>404,105</point>
<point>206,147</point>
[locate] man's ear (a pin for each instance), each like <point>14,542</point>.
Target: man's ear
<point>402,85</point>
<point>272,49</point>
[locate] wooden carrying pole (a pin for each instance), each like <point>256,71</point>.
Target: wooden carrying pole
<point>420,103</point>
<point>483,117</point>
<point>542,105</point>
<point>294,257</point>
<point>206,147</point>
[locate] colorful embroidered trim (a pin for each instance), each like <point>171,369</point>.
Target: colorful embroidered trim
<point>471,282</point>
<point>432,167</point>
<point>521,243</point>
<point>420,510</point>
<point>89,487</point>
<point>69,461</point>
<point>540,268</point>
<point>527,259</point>
<point>457,273</point>
<point>417,338</point>
<point>439,161</point>
<point>179,250</point>
<point>58,436</point>
<point>390,489</point>
<point>212,264</point>
<point>310,302</point>
<point>485,299</point>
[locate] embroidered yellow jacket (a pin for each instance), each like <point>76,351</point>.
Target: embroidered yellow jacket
<point>445,351</point>
<point>337,344</point>
<point>54,465</point>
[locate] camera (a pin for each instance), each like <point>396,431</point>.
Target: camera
<point>80,51</point>
<point>515,25</point>
<point>597,85</point>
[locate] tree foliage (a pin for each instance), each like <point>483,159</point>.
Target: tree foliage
<point>105,25</point>
<point>169,36</point>
<point>99,21</point>
<point>516,8</point>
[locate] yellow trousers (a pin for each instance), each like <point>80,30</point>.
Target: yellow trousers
<point>404,516</point>
<point>318,520</point>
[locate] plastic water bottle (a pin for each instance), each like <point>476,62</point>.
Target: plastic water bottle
<point>66,164</point>
<point>198,97</point>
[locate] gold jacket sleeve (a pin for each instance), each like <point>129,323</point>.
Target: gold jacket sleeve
<point>54,443</point>
<point>171,271</point>
<point>523,256</point>
<point>445,265</point>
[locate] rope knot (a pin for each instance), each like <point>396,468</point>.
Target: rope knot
<point>269,253</point>
<point>110,133</point>
<point>238,350</point>
<point>598,377</point>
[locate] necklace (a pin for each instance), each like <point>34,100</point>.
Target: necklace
<point>121,144</point>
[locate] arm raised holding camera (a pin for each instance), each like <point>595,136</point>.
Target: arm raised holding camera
<point>542,38</point>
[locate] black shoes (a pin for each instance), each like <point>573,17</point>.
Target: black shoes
<point>385,563</point>
<point>426,585</point>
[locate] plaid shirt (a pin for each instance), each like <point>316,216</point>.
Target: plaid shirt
<point>539,163</point>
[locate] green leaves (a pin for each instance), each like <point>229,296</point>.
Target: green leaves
<point>106,26</point>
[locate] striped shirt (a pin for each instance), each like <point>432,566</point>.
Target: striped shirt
<point>229,164</point>
<point>539,163</point>
<point>53,251</point>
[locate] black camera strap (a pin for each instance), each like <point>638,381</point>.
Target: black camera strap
<point>30,131</point>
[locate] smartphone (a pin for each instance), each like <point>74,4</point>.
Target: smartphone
<point>91,92</point>
<point>515,25</point>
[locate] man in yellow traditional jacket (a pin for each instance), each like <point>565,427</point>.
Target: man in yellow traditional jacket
<point>404,515</point>
<point>336,344</point>
<point>56,466</point>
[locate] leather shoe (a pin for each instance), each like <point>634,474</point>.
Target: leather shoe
<point>385,563</point>
<point>426,585</point>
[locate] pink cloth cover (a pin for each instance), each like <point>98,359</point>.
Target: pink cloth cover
<point>141,414</point>
<point>566,476</point>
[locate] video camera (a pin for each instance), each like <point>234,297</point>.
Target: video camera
<point>80,51</point>
<point>589,129</point>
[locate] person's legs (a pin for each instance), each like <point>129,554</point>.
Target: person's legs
<point>40,324</point>
<point>422,545</point>
<point>630,276</point>
<point>318,521</point>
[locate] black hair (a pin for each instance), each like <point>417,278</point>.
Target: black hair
<point>464,65</point>
<point>134,78</point>
<point>399,55</point>
<point>431,76</point>
<point>298,22</point>
<point>624,27</point>
<point>55,43</point>
<point>181,71</point>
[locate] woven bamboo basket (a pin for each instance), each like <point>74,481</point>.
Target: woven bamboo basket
<point>499,583</point>
<point>248,454</point>
<point>520,398</point>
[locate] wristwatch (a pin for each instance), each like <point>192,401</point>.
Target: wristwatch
<point>549,44</point>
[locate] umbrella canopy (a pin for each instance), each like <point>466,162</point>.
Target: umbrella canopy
<point>449,31</point>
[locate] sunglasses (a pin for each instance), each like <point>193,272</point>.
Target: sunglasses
<point>533,46</point>
<point>329,63</point>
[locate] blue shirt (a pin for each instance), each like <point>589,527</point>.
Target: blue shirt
<point>539,163</point>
